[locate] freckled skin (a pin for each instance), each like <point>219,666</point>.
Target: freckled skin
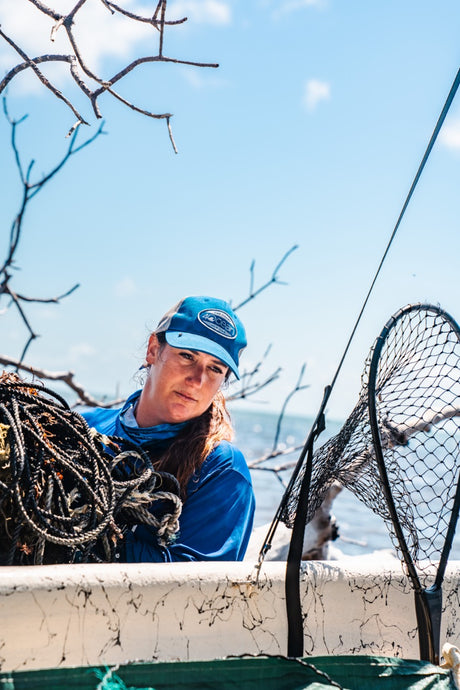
<point>181,384</point>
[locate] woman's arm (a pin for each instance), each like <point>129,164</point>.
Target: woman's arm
<point>216,520</point>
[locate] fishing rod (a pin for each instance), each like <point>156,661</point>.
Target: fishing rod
<point>293,604</point>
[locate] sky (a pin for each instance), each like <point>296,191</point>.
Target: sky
<point>307,135</point>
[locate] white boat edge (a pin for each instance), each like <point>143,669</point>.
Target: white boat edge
<point>90,615</point>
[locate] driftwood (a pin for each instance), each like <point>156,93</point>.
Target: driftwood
<point>399,434</point>
<point>319,533</point>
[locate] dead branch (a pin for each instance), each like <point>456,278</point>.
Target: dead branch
<point>77,61</point>
<point>29,190</point>
<point>319,532</point>
<point>399,434</point>
<point>28,62</point>
<point>276,451</point>
<point>298,387</point>
<point>67,377</point>
<point>274,279</point>
<point>248,384</point>
<point>113,7</point>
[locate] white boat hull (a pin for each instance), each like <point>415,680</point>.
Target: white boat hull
<point>78,615</point>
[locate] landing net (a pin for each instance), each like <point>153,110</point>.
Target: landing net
<point>417,402</point>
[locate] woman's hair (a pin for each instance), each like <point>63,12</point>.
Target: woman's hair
<point>193,444</point>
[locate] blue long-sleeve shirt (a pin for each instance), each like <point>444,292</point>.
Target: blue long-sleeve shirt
<point>217,515</point>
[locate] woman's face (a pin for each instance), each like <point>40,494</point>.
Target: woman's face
<point>181,384</point>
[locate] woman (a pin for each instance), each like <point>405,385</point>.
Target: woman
<point>180,418</point>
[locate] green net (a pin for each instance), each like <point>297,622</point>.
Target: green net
<point>243,673</point>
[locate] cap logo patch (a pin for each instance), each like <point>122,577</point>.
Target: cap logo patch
<point>219,322</point>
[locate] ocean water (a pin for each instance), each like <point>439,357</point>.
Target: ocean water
<point>360,530</point>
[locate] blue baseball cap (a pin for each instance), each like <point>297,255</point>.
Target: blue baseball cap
<point>205,324</point>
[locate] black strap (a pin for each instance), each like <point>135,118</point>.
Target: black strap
<point>292,583</point>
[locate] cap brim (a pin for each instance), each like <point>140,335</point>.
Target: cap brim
<point>189,341</point>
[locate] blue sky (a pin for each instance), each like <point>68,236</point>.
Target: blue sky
<point>309,133</point>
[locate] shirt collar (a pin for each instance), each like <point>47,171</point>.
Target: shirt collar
<point>159,432</point>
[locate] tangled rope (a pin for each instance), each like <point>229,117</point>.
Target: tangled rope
<point>67,493</point>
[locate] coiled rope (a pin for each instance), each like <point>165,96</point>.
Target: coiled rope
<point>63,496</point>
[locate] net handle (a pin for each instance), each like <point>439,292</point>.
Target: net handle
<point>428,602</point>
<point>376,439</point>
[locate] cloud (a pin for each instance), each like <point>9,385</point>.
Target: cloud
<point>99,33</point>
<point>202,80</point>
<point>315,92</point>
<point>48,313</point>
<point>80,351</point>
<point>289,6</point>
<point>201,11</point>
<point>450,135</point>
<point>126,287</point>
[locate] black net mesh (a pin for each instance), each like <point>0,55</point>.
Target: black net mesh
<point>415,383</point>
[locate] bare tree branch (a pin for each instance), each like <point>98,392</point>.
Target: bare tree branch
<point>66,377</point>
<point>261,463</point>
<point>31,63</point>
<point>171,135</point>
<point>48,300</point>
<point>46,10</point>
<point>76,59</point>
<point>399,434</point>
<point>24,65</point>
<point>113,7</point>
<point>29,191</point>
<point>274,279</point>
<point>298,387</point>
<point>248,384</point>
